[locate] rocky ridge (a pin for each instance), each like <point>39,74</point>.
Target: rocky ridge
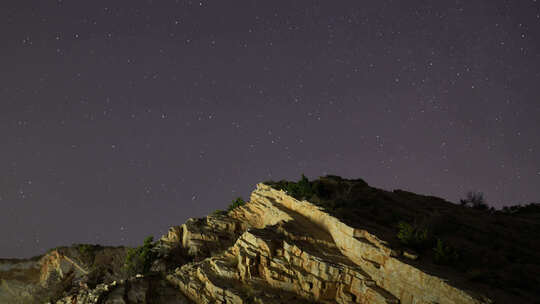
<point>274,249</point>
<point>301,252</point>
<point>45,277</point>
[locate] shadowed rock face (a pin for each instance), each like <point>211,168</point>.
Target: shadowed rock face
<point>296,248</point>
<point>274,249</point>
<point>60,270</point>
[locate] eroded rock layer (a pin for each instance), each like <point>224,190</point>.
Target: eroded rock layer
<point>274,249</point>
<point>295,248</point>
<point>47,277</point>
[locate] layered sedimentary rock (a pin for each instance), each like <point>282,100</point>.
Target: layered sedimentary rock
<point>274,249</point>
<point>295,249</point>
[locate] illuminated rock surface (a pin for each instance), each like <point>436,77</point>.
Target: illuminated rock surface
<point>273,249</point>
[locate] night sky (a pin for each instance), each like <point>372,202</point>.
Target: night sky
<point>119,119</point>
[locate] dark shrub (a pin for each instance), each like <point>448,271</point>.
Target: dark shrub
<point>300,190</point>
<point>139,259</point>
<point>475,200</point>
<point>236,203</point>
<point>321,190</point>
<point>413,237</point>
<point>444,253</point>
<point>528,209</point>
<point>304,188</point>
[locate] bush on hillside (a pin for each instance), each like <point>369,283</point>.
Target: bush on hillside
<point>236,203</point>
<point>414,237</point>
<point>139,259</point>
<point>444,253</point>
<point>301,190</point>
<point>321,190</point>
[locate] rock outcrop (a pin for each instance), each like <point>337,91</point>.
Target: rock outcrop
<point>273,249</point>
<point>39,279</point>
<point>295,249</point>
<point>138,289</point>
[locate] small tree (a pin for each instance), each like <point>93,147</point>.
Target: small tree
<point>139,259</point>
<point>304,187</point>
<point>236,203</point>
<point>474,200</point>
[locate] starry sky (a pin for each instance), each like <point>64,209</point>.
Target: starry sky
<point>119,119</point>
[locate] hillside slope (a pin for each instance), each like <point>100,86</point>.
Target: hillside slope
<point>331,240</point>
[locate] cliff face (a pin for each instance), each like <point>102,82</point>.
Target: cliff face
<point>273,249</point>
<point>294,250</point>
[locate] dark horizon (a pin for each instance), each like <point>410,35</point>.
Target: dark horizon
<point>119,120</point>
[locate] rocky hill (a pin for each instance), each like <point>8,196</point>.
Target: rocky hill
<point>331,240</point>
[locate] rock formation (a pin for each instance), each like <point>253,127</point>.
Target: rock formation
<point>273,249</point>
<point>44,277</point>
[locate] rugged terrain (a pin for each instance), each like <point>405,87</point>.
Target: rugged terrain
<point>331,240</point>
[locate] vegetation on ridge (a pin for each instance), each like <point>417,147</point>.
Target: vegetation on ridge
<point>474,200</point>
<point>497,248</point>
<point>469,244</point>
<point>139,259</point>
<point>414,237</point>
<point>300,190</point>
<point>445,254</point>
<point>234,204</point>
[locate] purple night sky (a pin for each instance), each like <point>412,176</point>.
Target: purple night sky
<point>119,119</point>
